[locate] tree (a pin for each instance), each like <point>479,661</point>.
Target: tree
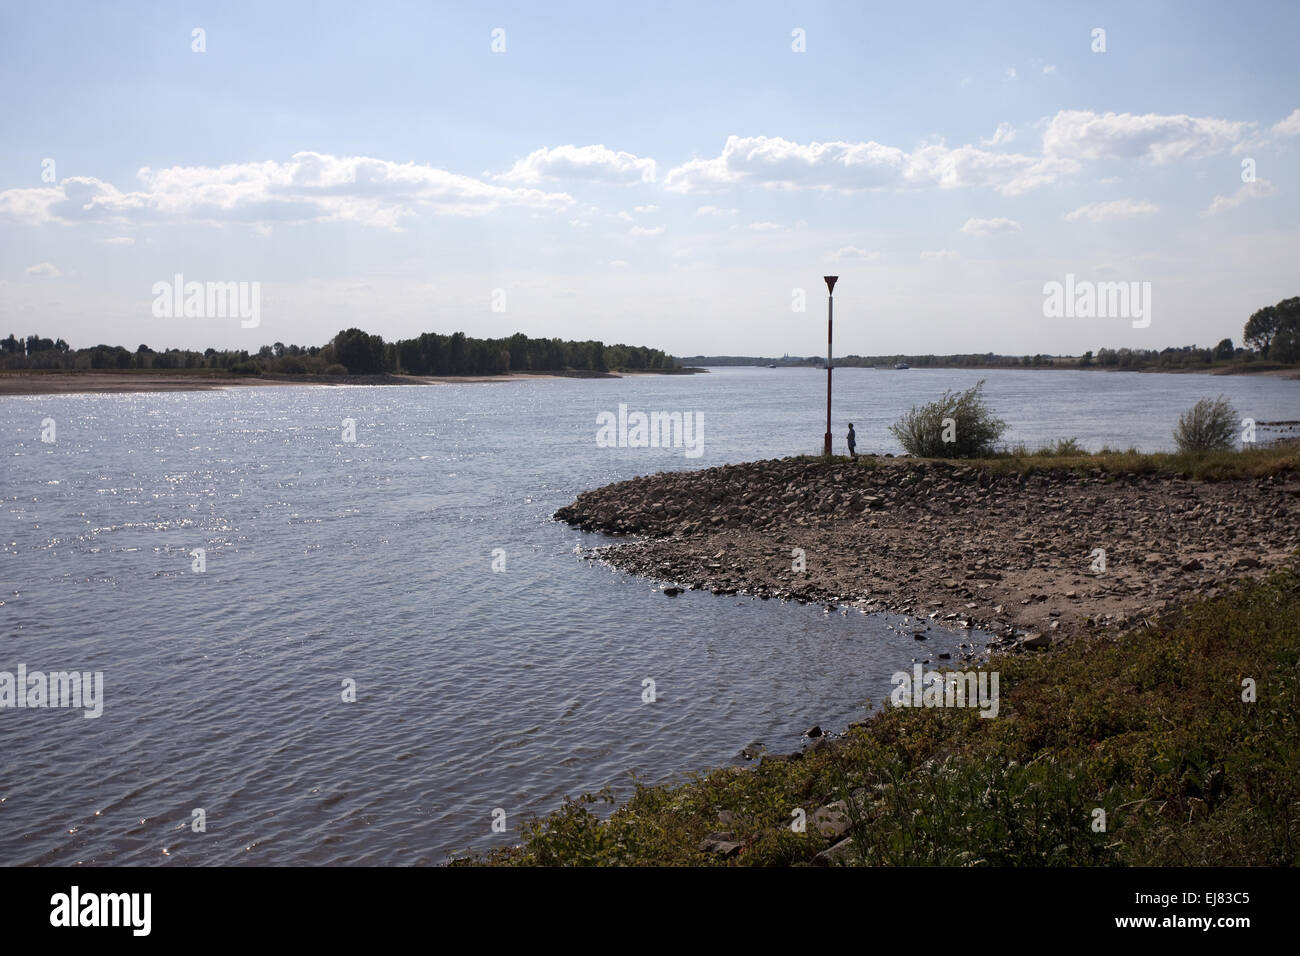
<point>1275,325</point>
<point>359,352</point>
<point>1224,350</point>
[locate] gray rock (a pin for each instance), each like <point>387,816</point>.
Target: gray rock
<point>832,821</point>
<point>721,844</point>
<point>838,855</point>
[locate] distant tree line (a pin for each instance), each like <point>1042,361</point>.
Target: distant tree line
<point>1185,357</point>
<point>1272,333</point>
<point>352,352</point>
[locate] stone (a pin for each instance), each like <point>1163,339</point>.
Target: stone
<point>832,821</point>
<point>824,743</point>
<point>783,758</point>
<point>721,844</point>
<point>837,855</point>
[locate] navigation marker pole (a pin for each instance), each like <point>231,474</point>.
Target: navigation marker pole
<point>830,314</point>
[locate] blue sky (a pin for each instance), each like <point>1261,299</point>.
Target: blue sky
<point>666,175</point>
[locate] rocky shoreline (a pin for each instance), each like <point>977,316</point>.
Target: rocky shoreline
<point>1015,553</point>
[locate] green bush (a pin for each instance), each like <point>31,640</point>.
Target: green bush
<point>1209,425</point>
<point>335,369</point>
<point>959,425</point>
<point>1061,448</point>
<point>246,368</point>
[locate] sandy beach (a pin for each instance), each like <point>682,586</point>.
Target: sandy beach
<point>68,383</point>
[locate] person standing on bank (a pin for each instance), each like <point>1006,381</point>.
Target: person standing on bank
<point>853,442</point>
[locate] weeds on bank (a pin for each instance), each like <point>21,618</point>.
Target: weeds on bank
<point>1067,455</point>
<point>1200,466</point>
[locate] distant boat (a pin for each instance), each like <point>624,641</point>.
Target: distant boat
<point>901,365</point>
<point>771,366</point>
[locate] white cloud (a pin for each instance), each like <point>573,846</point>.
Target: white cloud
<point>849,253</point>
<point>1049,69</point>
<point>311,187</point>
<point>937,255</point>
<point>990,227</point>
<point>44,270</point>
<point>1115,209</point>
<point>1010,74</point>
<point>775,163</point>
<point>1005,133</point>
<point>594,163</point>
<point>1256,190</point>
<point>764,226</point>
<point>646,230</point>
<point>618,263</point>
<point>1289,126</point>
<point>715,211</point>
<point>117,241</point>
<point>650,208</point>
<point>29,206</point>
<point>1085,135</point>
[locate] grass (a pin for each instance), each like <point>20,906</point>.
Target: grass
<point>1149,726</point>
<point>1068,455</point>
<point>1201,466</point>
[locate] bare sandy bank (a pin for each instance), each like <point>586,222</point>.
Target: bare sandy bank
<point>68,383</point>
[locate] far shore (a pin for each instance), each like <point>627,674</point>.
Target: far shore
<point>26,382</point>
<point>35,382</point>
<point>1276,371</point>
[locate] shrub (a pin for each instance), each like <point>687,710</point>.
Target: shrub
<point>926,432</point>
<point>1063,448</point>
<point>246,368</point>
<point>292,366</point>
<point>335,369</point>
<point>1209,425</point>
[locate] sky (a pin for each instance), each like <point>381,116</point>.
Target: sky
<point>676,175</point>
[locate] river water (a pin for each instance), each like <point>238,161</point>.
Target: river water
<point>332,564</point>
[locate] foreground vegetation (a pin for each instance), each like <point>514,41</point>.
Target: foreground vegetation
<point>1067,455</point>
<point>1149,726</point>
